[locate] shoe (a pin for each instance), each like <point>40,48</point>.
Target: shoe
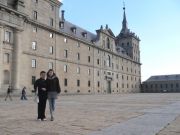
<point>44,119</point>
<point>52,118</point>
<point>38,119</point>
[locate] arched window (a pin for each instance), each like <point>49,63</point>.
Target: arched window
<point>108,43</point>
<point>6,77</point>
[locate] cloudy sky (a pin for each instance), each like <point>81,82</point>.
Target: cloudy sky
<point>156,22</point>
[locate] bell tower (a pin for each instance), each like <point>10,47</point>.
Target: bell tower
<point>128,40</point>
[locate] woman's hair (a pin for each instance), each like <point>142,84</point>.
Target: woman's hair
<point>50,71</point>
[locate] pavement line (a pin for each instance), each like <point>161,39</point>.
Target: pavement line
<point>150,123</point>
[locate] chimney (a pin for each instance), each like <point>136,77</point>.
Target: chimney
<point>106,26</point>
<point>62,15</point>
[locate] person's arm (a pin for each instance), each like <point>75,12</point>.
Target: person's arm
<point>58,86</point>
<point>35,86</point>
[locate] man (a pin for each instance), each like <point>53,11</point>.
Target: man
<point>40,84</point>
<point>8,93</point>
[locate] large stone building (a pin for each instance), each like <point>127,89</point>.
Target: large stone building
<point>33,38</point>
<point>162,83</point>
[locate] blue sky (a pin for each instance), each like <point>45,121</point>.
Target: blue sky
<point>156,22</point>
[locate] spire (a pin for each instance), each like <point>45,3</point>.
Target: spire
<point>124,23</point>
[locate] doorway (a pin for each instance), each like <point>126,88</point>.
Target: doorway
<point>109,87</point>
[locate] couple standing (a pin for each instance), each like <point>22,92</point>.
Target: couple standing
<point>48,88</point>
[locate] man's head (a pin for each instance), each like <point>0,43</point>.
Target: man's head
<point>43,74</point>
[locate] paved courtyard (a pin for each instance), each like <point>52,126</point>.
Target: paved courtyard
<point>124,114</point>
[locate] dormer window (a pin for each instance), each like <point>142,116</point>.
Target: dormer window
<point>84,34</point>
<point>73,30</point>
<point>61,25</point>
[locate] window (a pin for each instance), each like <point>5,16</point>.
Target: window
<point>78,56</point>
<point>98,61</point>
<point>50,65</point>
<point>108,43</point>
<point>97,73</point>
<point>51,35</point>
<point>33,79</point>
<point>65,53</point>
<point>33,63</point>
<point>127,77</point>
<point>35,29</point>
<point>177,85</point>
<point>122,77</point>
<point>34,45</point>
<point>84,34</point>
<point>89,48</point>
<point>65,40</point>
<point>89,59</point>
<point>61,25</point>
<point>35,15</point>
<point>78,83</point>
<point>51,49</point>
<point>117,76</point>
<point>6,58</point>
<point>117,85</point>
<point>78,70</point>
<point>98,84</point>
<point>89,83</point>
<point>89,71</point>
<point>74,30</point>
<point>8,36</point>
<point>65,82</point>
<point>51,22</point>
<point>65,68</point>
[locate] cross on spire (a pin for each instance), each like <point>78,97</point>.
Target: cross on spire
<point>124,23</point>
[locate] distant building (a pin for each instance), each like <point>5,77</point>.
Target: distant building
<point>33,37</point>
<point>162,83</point>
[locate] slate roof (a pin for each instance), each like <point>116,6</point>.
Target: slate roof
<point>91,37</point>
<point>175,77</point>
<point>79,32</point>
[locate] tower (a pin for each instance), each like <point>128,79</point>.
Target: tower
<point>128,40</point>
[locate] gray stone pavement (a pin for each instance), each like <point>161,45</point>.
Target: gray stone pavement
<point>124,114</point>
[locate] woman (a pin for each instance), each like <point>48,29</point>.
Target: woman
<point>53,89</point>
